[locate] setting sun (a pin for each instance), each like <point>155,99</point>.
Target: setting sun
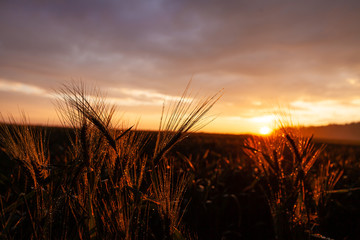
<point>265,130</point>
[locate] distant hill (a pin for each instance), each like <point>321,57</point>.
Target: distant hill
<point>346,132</point>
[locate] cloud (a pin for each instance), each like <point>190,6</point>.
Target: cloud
<point>142,97</point>
<point>130,97</point>
<point>323,112</point>
<point>263,51</point>
<point>21,88</point>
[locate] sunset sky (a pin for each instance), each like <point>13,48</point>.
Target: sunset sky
<point>301,56</point>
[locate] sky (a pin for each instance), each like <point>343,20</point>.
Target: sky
<point>301,57</point>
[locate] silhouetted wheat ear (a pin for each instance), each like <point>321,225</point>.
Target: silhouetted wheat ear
<point>181,118</point>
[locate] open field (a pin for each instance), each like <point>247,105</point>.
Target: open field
<point>225,197</point>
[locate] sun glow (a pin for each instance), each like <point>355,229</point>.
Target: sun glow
<point>265,130</point>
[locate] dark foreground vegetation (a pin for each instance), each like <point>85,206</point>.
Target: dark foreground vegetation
<point>97,180</point>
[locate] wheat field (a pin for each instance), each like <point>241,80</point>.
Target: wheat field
<point>96,178</point>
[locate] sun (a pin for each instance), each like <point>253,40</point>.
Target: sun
<point>265,130</point>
